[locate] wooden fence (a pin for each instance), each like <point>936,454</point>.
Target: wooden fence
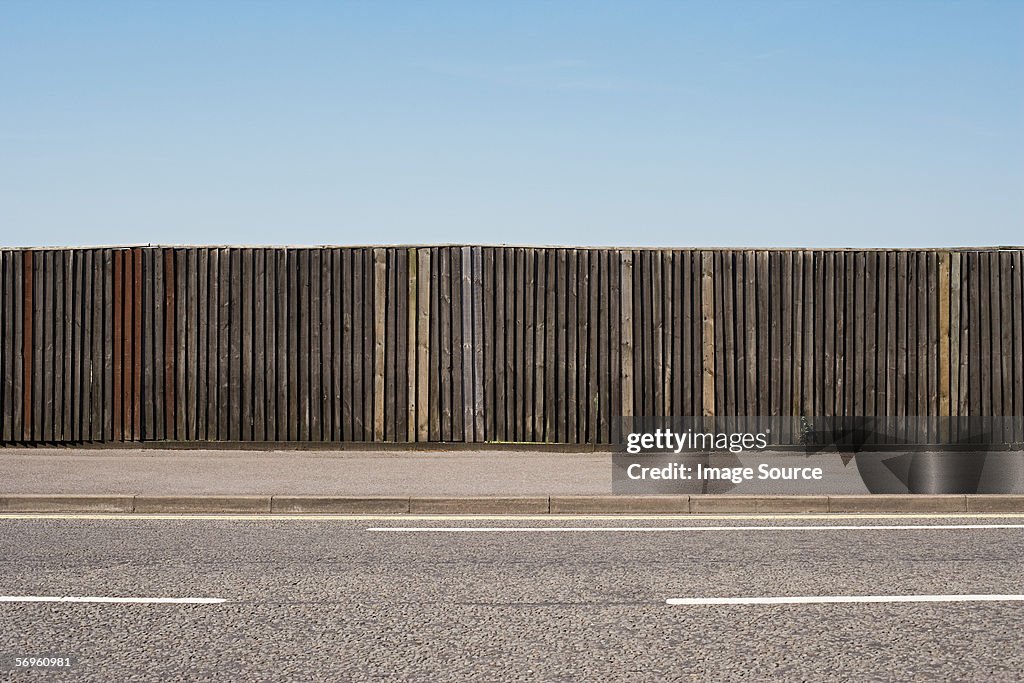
<point>467,343</point>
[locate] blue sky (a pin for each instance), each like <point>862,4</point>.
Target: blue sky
<point>630,123</point>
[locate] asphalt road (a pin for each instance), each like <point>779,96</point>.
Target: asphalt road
<point>316,599</point>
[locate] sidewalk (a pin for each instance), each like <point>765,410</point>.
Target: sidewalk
<point>401,482</point>
<point>333,473</point>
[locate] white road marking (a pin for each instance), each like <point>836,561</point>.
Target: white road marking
<point>92,598</point>
<point>829,599</point>
<point>556,529</point>
<point>283,517</point>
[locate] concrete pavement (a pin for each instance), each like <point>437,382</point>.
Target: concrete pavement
<point>336,473</point>
<point>463,481</point>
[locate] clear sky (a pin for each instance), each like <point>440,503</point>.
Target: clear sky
<point>761,123</point>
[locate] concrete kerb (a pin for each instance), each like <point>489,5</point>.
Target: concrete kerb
<point>480,505</point>
<point>203,504</point>
<point>66,503</point>
<point>341,505</point>
<point>511,505</point>
<point>591,505</point>
<point>899,503</point>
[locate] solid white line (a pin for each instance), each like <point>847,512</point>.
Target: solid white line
<point>91,598</point>
<point>555,529</point>
<point>281,517</point>
<point>828,599</point>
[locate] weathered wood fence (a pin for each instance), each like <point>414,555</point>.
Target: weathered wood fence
<point>461,343</point>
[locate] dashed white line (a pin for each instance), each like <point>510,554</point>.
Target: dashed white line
<point>829,599</point>
<point>96,598</point>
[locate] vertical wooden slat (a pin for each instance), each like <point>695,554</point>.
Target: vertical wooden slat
<point>674,373</point>
<point>444,353</point>
<point>501,397</point>
<point>158,300</point>
<point>337,332</point>
<point>18,431</point>
<point>403,323</point>
<point>615,346</point>
<point>539,346</point>
<point>45,299</point>
<point>127,350</point>
<point>181,342</point>
<point>859,314</point>
<point>366,353</point>
<point>527,366</point>
<point>285,403</point>
<point>850,336</point>
<point>972,369</point>
<point>626,331</point>
<point>1017,299</point>
<point>422,343</point>
<point>38,345</point>
<point>93,377</point>
<point>136,333</point>
<point>1002,264</point>
<point>190,325</point>
<point>593,331</point>
<point>763,334</point>
<point>259,355</point>
<point>726,285</point>
<point>148,363</point>
<point>657,378</point>
<point>390,343</point>
<point>388,346</point>
<point>985,329</point>
<point>349,354</point>
<point>210,343</point>
<point>225,405</point>
<point>511,330</point>
<point>902,328</point>
<point>446,302</point>
<point>272,335</point>
<point>380,304</point>
<point>236,410</point>
<point>604,331</point>
<point>478,346</point>
<point>572,357</point>
<point>647,333</point>
<point>957,394</point>
<point>881,329</point>
<point>57,311</point>
<point>775,319</point>
<point>314,365</point>
<point>5,349</point>
<point>915,328</point>
<point>1002,324</point>
<point>931,333</point>
<point>7,342</point>
<point>708,332</point>
<point>412,324</point>
<point>488,320</point>
<point>301,381</point>
<point>944,333</point>
<point>751,332</point>
<point>891,334</point>
<point>118,350</point>
<point>316,334</point>
<point>809,364</point>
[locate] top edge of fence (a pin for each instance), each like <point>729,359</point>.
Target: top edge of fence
<point>522,246</point>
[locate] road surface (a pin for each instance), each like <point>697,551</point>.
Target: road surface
<point>567,599</point>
